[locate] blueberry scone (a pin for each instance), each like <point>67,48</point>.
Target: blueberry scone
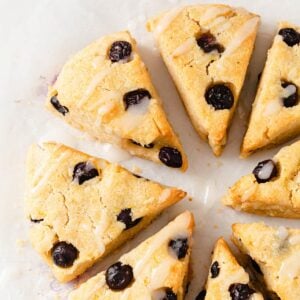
<point>273,188</point>
<point>276,252</point>
<point>207,49</point>
<point>275,115</point>
<point>82,207</point>
<point>227,280</point>
<point>106,91</point>
<point>156,269</point>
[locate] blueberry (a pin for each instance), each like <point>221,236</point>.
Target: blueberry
<point>240,291</point>
<point>125,216</point>
<point>119,276</point>
<point>60,108</point>
<point>171,157</point>
<point>207,42</point>
<point>164,294</point>
<point>201,295</point>
<point>135,97</point>
<point>147,146</point>
<point>83,171</point>
<point>170,295</point>
<point>290,36</point>
<point>120,50</point>
<point>265,171</point>
<point>219,96</point>
<point>215,269</point>
<point>291,100</point>
<point>64,254</point>
<point>180,247</point>
<point>36,220</point>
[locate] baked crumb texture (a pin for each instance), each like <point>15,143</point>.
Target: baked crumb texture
<point>157,270</point>
<point>106,91</point>
<point>271,122</point>
<point>89,204</point>
<point>203,46</point>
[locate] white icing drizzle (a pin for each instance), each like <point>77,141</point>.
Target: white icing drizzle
<point>282,233</point>
<point>50,171</point>
<point>294,240</point>
<point>100,230</point>
<point>241,35</point>
<point>290,267</point>
<point>97,61</point>
<point>179,225</point>
<point>213,12</point>
<point>166,20</point>
<point>288,91</point>
<point>107,97</point>
<point>166,193</point>
<point>160,274</point>
<point>184,47</point>
<point>266,171</point>
<point>92,86</point>
<point>272,108</point>
<point>248,193</point>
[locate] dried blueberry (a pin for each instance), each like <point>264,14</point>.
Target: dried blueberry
<point>170,295</point>
<point>64,254</point>
<point>201,295</point>
<point>180,247</point>
<point>125,216</point>
<point>215,269</point>
<point>292,99</point>
<point>119,276</point>
<point>84,171</point>
<point>120,50</point>
<point>265,171</point>
<point>171,157</point>
<point>147,146</point>
<point>207,42</point>
<point>36,220</point>
<point>219,96</point>
<point>240,291</point>
<point>135,97</point>
<point>56,104</point>
<point>290,36</point>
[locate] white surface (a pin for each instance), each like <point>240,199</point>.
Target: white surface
<point>36,39</point>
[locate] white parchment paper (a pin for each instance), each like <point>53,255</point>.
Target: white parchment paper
<point>37,36</point>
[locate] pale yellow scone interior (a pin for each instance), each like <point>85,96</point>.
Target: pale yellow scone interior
<point>85,213</point>
<point>271,122</point>
<point>90,91</point>
<point>277,252</point>
<point>155,266</point>
<point>194,71</point>
<point>278,197</point>
<point>229,275</point>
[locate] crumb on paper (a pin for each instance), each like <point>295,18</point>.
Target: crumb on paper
<point>219,163</point>
<point>21,243</point>
<point>190,199</point>
<point>216,226</point>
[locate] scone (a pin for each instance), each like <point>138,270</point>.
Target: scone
<point>82,207</point>
<point>156,269</point>
<point>106,91</point>
<point>227,279</point>
<point>275,116</point>
<point>207,49</point>
<point>273,188</point>
<point>277,253</point>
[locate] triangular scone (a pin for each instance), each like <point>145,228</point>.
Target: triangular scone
<point>277,253</point>
<point>207,49</point>
<point>227,278</point>
<point>275,115</point>
<point>106,91</point>
<point>156,269</point>
<point>83,207</point>
<point>273,188</point>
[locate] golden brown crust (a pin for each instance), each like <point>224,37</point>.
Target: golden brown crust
<point>86,215</point>
<point>154,266</point>
<point>279,197</point>
<point>92,89</point>
<point>193,71</point>
<point>271,123</point>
